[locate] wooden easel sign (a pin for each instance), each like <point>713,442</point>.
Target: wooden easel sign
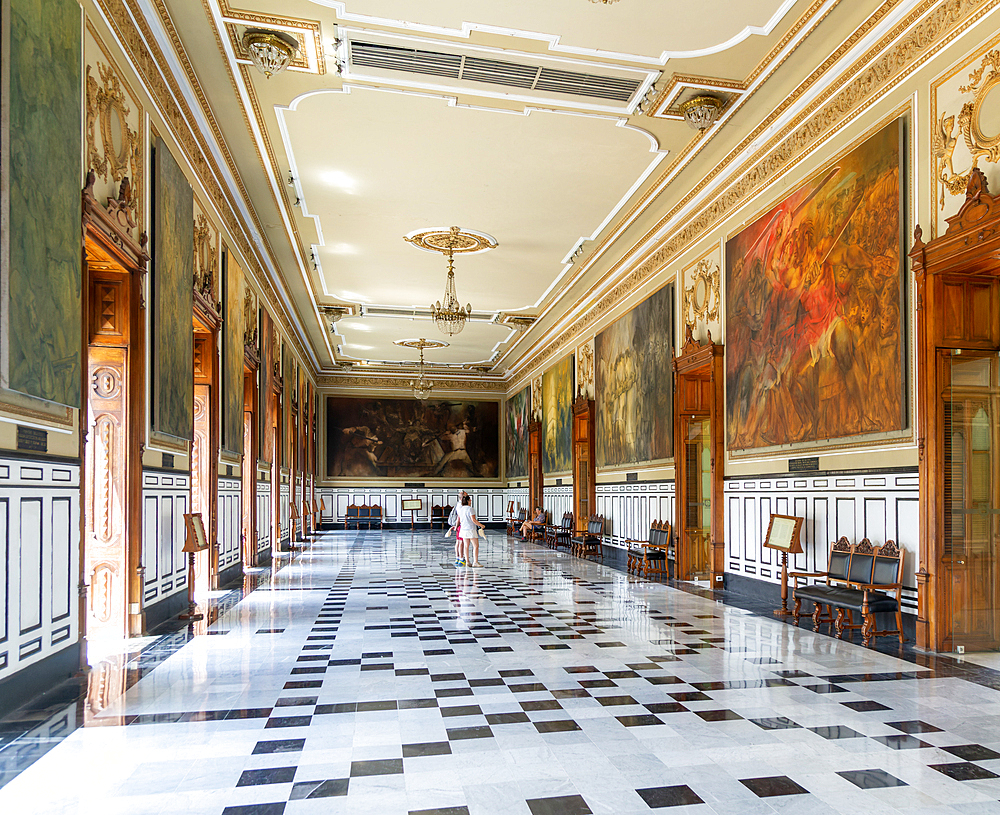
<point>783,534</point>
<point>413,506</point>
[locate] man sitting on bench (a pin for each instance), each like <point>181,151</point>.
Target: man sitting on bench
<point>535,524</point>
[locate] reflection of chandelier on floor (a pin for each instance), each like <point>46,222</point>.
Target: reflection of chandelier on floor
<point>421,386</point>
<point>448,314</point>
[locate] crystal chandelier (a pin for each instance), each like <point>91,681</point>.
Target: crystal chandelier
<point>450,317</point>
<point>421,386</point>
<point>701,111</point>
<point>271,51</point>
<point>448,314</point>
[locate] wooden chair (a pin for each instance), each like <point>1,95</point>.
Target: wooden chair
<point>587,543</point>
<point>375,515</point>
<point>438,514</point>
<point>514,524</point>
<point>838,565</point>
<point>561,535</point>
<point>651,556</point>
<point>352,517</point>
<point>536,532</point>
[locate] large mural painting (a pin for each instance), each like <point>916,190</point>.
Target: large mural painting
<point>232,356</point>
<point>557,417</point>
<point>408,438</point>
<point>633,381</point>
<point>814,305</point>
<point>173,275</point>
<point>42,334</point>
<point>516,433</point>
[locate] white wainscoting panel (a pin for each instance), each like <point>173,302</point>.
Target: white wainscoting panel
<point>39,560</point>
<point>490,504</point>
<point>876,506</point>
<point>263,516</point>
<point>165,499</point>
<point>629,509</point>
<point>283,513</point>
<point>230,522</point>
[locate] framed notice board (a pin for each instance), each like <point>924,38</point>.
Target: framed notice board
<point>783,534</point>
<point>413,504</point>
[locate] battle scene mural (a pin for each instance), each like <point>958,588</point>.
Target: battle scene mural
<point>516,419</point>
<point>814,310</point>
<point>409,438</point>
<point>634,384</point>
<point>557,417</point>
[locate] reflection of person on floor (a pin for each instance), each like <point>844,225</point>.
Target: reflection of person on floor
<point>457,437</point>
<point>469,527</point>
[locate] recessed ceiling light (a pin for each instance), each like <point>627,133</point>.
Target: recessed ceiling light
<point>339,179</point>
<point>341,249</point>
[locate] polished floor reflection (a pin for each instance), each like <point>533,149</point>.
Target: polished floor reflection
<point>371,675</point>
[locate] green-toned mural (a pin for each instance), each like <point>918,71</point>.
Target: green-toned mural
<point>45,272</point>
<point>516,428</point>
<point>557,417</point>
<point>172,283</point>
<point>408,438</point>
<point>633,379</point>
<point>232,361</point>
<point>815,306</point>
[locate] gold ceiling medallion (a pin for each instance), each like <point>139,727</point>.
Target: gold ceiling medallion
<point>701,298</point>
<point>448,314</point>
<point>270,51</point>
<point>702,111</point>
<point>604,2</point>
<point>422,386</point>
<point>972,127</point>
<point>120,155</point>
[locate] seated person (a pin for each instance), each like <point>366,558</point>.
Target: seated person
<point>535,523</point>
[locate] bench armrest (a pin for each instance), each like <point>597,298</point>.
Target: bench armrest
<point>880,586</point>
<point>807,574</point>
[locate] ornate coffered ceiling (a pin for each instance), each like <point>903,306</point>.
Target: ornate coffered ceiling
<point>551,126</point>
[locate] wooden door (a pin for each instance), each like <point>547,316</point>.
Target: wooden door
<point>536,482</point>
<point>584,464</point>
<point>698,463</point>
<point>204,461</point>
<point>971,522</point>
<point>248,470</point>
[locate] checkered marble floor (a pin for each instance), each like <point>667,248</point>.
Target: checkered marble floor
<point>373,676</point>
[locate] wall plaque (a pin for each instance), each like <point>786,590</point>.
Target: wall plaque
<point>33,439</point>
<point>413,484</point>
<point>168,461</point>
<point>803,465</point>
<point>630,477</point>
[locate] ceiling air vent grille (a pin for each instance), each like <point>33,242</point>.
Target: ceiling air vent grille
<point>492,71</point>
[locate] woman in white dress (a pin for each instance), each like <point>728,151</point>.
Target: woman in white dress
<point>468,530</point>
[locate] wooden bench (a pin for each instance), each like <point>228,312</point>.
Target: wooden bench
<point>869,584</point>
<point>440,514</point>
<point>651,556</point>
<point>364,514</point>
<point>561,535</point>
<point>587,543</point>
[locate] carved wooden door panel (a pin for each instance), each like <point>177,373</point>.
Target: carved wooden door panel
<point>106,521</point>
<point>536,485</point>
<point>202,463</point>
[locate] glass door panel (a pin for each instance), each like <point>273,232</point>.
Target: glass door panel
<point>698,494</point>
<point>972,499</point>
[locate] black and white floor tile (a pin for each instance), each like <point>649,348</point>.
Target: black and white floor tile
<point>372,676</point>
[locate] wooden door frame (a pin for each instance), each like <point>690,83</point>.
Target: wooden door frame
<point>584,415</point>
<point>206,324</point>
<point>700,367</point>
<point>536,477</point>
<point>966,255</point>
<point>248,467</point>
<point>107,232</point>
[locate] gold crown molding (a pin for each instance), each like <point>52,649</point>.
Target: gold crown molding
<point>328,382</point>
<point>694,146</point>
<point>135,37</point>
<point>873,74</point>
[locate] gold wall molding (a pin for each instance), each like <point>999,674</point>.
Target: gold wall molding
<point>918,37</point>
<point>585,369</point>
<point>334,382</point>
<point>701,298</point>
<point>981,82</point>
<point>107,115</point>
